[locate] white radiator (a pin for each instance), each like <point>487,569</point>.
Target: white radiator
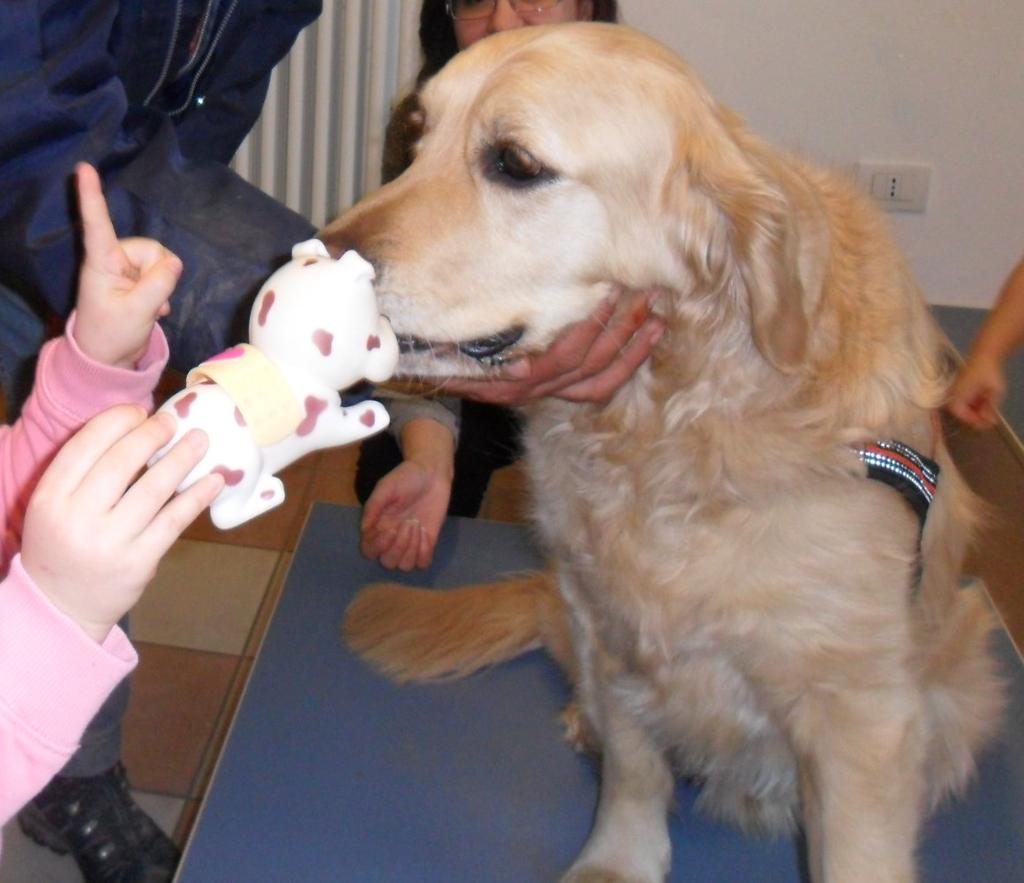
<point>317,145</point>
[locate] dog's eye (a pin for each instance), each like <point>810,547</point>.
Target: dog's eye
<point>514,166</point>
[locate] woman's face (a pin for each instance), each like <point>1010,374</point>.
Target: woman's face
<point>505,17</point>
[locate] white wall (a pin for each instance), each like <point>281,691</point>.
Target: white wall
<point>933,81</point>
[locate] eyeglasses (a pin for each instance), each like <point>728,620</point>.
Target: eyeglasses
<point>467,10</point>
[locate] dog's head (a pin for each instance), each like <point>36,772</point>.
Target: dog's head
<point>556,162</point>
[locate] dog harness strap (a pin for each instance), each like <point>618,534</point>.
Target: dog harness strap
<point>258,388</point>
<point>904,469</point>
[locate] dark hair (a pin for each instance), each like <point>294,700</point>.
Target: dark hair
<point>437,40</point>
<point>437,33</point>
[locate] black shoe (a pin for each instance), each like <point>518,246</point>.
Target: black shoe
<point>106,832</point>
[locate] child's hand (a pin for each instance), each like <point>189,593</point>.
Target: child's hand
<point>93,533</point>
<point>978,392</point>
<point>402,518</point>
<point>123,286</point>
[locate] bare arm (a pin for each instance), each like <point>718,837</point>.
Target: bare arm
<point>981,387</point>
<point>1003,330</point>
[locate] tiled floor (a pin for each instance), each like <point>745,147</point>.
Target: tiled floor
<point>199,625</point>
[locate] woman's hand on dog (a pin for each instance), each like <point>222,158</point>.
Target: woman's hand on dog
<point>588,363</point>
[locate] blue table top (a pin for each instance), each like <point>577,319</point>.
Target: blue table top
<point>332,773</point>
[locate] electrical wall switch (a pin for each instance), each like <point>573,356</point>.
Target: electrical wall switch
<point>896,187</point>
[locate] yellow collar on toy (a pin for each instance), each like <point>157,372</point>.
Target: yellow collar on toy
<point>258,388</point>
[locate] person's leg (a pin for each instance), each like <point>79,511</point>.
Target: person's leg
<point>87,809</point>
<point>489,438</point>
<point>100,748</point>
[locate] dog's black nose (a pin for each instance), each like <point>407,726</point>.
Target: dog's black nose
<point>486,348</point>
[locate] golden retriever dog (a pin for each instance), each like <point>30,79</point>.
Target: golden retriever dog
<point>734,598</point>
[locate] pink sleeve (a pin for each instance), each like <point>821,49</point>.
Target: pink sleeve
<point>70,389</point>
<point>53,679</point>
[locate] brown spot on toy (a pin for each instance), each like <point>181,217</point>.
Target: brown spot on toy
<point>231,476</point>
<point>184,405</point>
<point>324,341</point>
<point>373,342</point>
<point>309,261</point>
<point>314,408</point>
<point>268,302</point>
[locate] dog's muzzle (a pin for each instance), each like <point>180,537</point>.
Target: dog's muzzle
<point>488,350</point>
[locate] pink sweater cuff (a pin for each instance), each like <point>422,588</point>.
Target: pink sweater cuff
<point>53,677</point>
<point>82,387</point>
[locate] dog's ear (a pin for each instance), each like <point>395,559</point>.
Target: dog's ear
<point>756,241</point>
<point>765,241</point>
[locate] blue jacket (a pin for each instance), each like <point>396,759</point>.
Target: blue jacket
<point>158,96</point>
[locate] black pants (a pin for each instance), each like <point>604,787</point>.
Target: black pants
<point>489,438</point>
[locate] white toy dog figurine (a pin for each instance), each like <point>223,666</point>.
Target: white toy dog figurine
<point>314,329</point>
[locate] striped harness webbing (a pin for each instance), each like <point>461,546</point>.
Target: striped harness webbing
<point>901,467</point>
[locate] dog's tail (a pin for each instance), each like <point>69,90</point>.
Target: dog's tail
<point>413,634</point>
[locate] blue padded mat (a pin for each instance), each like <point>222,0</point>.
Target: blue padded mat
<point>330,773</point>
